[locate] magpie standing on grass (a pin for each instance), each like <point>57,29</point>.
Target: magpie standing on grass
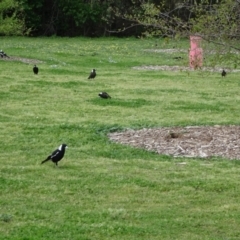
<point>104,95</point>
<point>224,73</point>
<point>92,74</point>
<point>56,155</point>
<point>35,69</point>
<point>3,54</point>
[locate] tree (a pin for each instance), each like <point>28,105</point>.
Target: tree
<point>65,17</point>
<point>11,18</point>
<point>219,23</point>
<point>81,16</point>
<point>215,21</point>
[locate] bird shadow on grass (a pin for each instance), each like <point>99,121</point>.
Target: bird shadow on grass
<point>121,102</point>
<point>5,217</point>
<point>61,166</point>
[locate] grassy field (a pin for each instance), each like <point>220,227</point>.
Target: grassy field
<point>103,190</point>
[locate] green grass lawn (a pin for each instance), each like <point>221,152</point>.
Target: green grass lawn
<point>103,190</point>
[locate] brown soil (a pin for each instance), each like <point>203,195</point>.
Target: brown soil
<point>20,59</point>
<point>192,141</point>
<point>182,68</point>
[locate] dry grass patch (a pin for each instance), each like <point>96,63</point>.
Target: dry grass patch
<point>21,59</point>
<point>182,68</point>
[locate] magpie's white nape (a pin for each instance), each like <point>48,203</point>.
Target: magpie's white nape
<point>92,74</point>
<point>57,154</point>
<point>3,54</point>
<point>61,146</point>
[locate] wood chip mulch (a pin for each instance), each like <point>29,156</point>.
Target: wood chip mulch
<point>191,141</point>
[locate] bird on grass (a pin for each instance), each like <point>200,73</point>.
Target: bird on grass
<point>224,73</point>
<point>104,95</point>
<point>35,69</point>
<point>178,58</point>
<point>92,74</point>
<point>3,54</point>
<point>57,154</point>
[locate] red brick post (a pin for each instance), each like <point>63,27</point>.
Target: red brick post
<point>195,52</point>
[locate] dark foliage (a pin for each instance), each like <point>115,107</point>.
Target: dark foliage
<point>94,18</point>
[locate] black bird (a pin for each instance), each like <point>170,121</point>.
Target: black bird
<point>224,73</point>
<point>92,74</point>
<point>3,54</point>
<point>104,95</point>
<point>178,58</point>
<point>56,155</point>
<point>35,69</point>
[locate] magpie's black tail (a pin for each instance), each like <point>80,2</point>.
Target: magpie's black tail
<point>47,159</point>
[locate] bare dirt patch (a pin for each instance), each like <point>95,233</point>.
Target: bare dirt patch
<point>183,56</point>
<point>182,68</point>
<point>20,59</point>
<point>168,50</point>
<point>191,141</point>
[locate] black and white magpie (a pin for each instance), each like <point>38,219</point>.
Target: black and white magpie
<point>92,74</point>
<point>224,73</point>
<point>104,95</point>
<point>35,69</point>
<point>3,54</point>
<point>56,155</point>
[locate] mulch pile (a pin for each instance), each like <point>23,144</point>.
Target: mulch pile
<point>191,141</point>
